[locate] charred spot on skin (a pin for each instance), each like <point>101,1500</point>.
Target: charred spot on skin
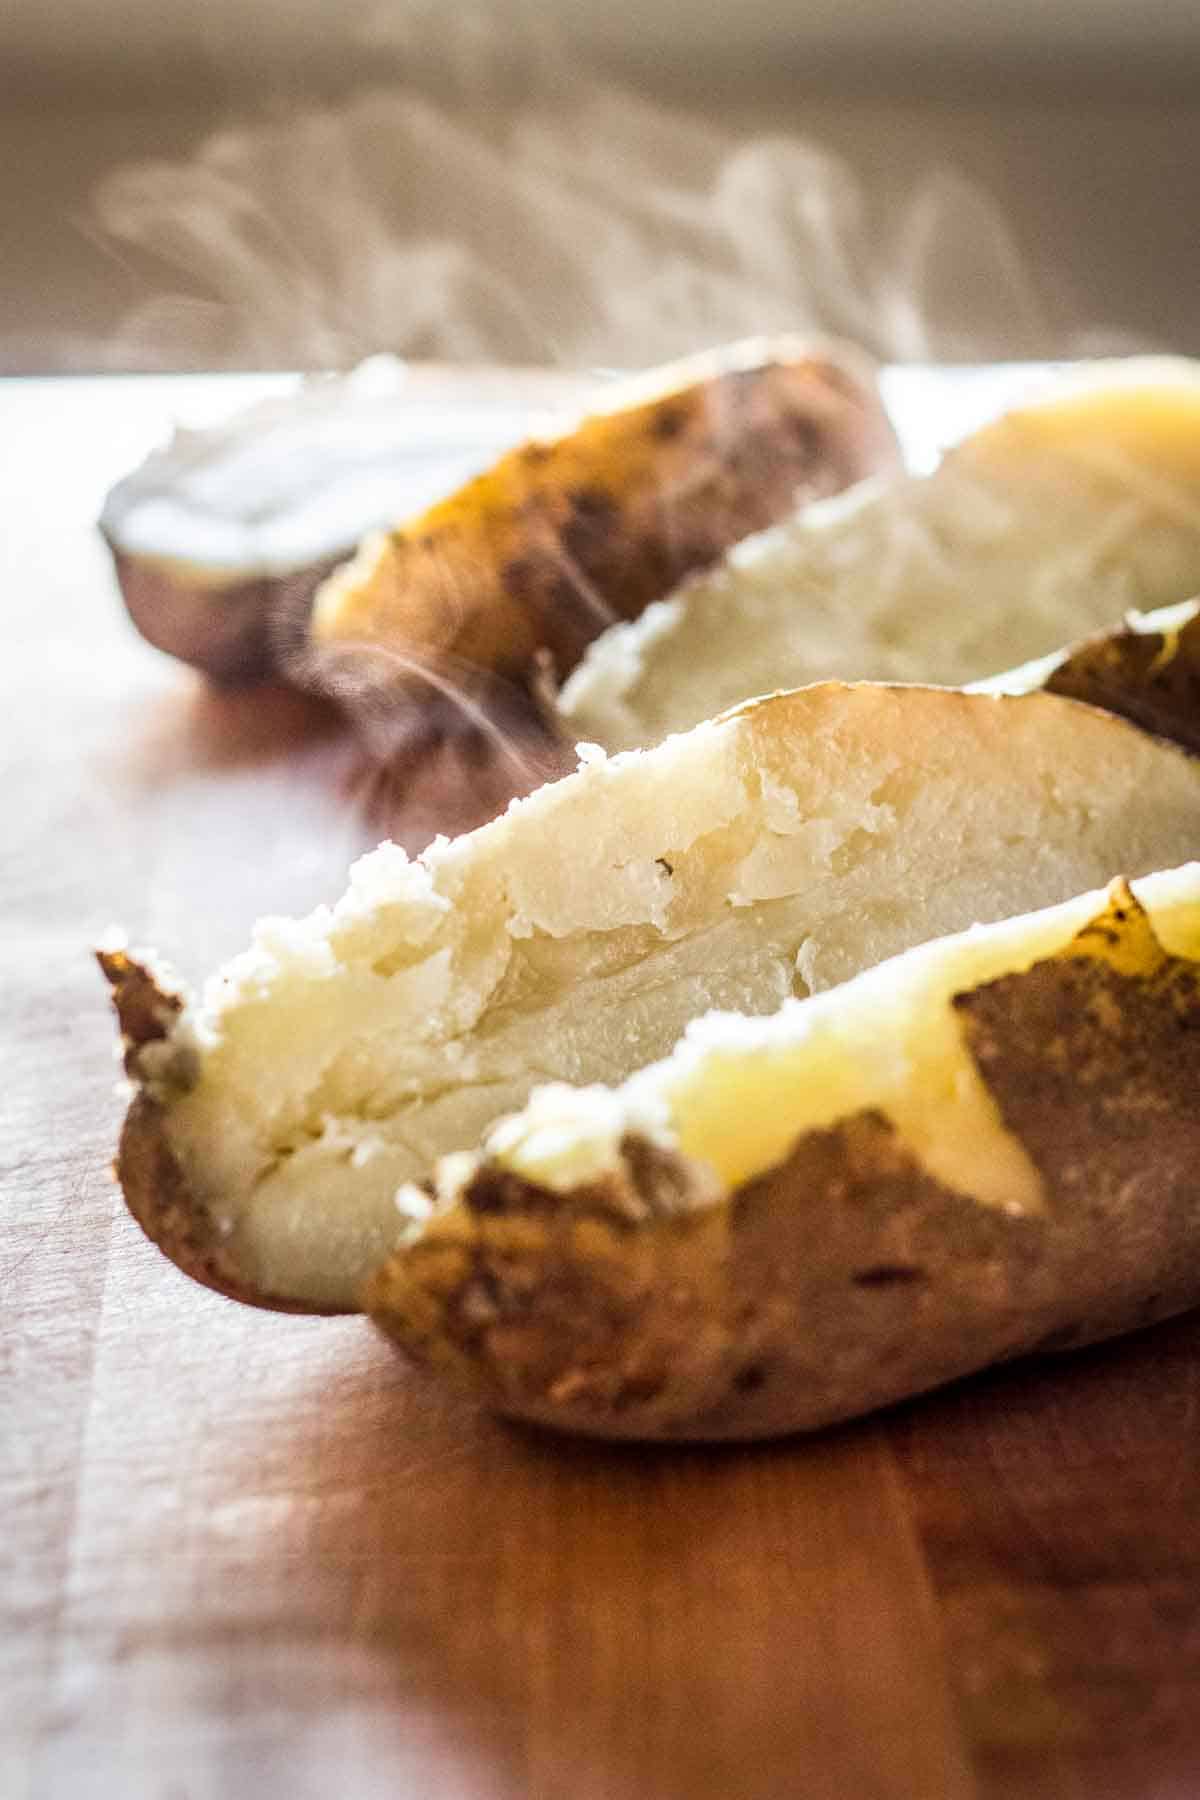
<point>669,422</point>
<point>519,577</point>
<point>493,1192</point>
<point>666,867</point>
<point>750,1379</point>
<point>592,504</point>
<point>497,1193</point>
<point>592,520</point>
<point>146,1014</point>
<point>885,1275</point>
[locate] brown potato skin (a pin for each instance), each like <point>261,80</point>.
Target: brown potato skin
<point>561,538</point>
<point>546,548</point>
<point>237,632</point>
<point>1150,678</point>
<point>845,1278</point>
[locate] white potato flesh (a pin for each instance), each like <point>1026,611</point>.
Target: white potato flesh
<point>737,1092</point>
<point>772,854</point>
<point>1044,526</point>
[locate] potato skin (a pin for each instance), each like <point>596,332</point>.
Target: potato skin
<point>560,538</point>
<point>746,421</point>
<point>846,1277</point>
<point>237,632</point>
<point>1151,678</point>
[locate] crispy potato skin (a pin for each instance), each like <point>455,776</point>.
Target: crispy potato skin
<point>560,538</point>
<point>1149,678</point>
<point>145,1011</point>
<point>845,1278</point>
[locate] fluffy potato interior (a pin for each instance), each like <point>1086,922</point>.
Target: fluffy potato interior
<point>1050,523</point>
<point>771,854</point>
<point>892,1042</point>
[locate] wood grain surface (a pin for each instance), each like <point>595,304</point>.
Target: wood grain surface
<point>248,1555</point>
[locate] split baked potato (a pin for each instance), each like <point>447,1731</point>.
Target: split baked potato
<point>983,1148</point>
<point>504,584</point>
<point>1048,523</point>
<point>222,540</point>
<point>914,1167</point>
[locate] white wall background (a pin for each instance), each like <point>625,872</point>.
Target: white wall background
<point>1074,123</point>
<point>122,43</point>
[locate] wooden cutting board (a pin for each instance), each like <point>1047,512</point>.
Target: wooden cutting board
<point>243,1554</point>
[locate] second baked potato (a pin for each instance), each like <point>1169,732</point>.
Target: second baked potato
<point>1046,524</point>
<point>282,1120</point>
<point>985,1147</point>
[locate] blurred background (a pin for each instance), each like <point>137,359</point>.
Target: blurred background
<point>288,183</point>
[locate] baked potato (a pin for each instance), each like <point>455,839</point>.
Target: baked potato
<point>309,1131</point>
<point>1047,524</point>
<point>512,576</point>
<point>983,1148</point>
<point>222,538</point>
<point>222,535</point>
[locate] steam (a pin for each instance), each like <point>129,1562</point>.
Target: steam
<point>449,763</point>
<point>544,217</point>
<point>489,201</point>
